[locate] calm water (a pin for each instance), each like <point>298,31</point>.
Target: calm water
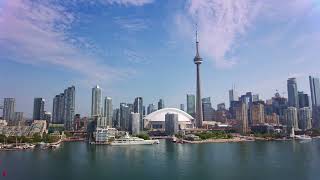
<point>241,161</point>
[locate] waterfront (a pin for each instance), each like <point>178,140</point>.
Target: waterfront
<point>248,160</point>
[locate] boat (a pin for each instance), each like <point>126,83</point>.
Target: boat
<point>302,137</point>
<point>128,140</point>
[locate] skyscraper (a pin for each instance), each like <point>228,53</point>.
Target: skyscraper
<point>150,108</point>
<point>208,112</point>
<point>315,91</point>
<point>58,109</point>
<point>257,113</point>
<point>198,60</point>
<point>191,105</point>
<point>69,106</point>
<point>135,123</point>
<point>38,109</point>
<point>292,87</point>
<point>96,104</point>
<point>108,112</point>
<point>9,105</point>
<point>138,108</point>
<point>232,96</point>
<point>160,104</point>
<point>182,107</point>
<point>304,118</point>
<point>18,116</point>
<point>292,118</point>
<point>171,124</point>
<point>241,113</point>
<point>303,100</point>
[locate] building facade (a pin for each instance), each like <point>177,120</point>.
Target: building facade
<point>293,99</point>
<point>38,108</point>
<point>171,124</point>
<point>138,108</point>
<point>191,104</point>
<point>96,101</point>
<point>304,118</point>
<point>135,123</point>
<point>108,110</point>
<point>292,118</point>
<point>9,105</point>
<point>257,113</point>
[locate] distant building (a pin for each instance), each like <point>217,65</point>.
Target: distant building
<point>47,116</point>
<point>171,124</point>
<point>18,116</point>
<point>208,112</point>
<point>255,98</point>
<point>232,96</point>
<point>272,119</point>
<point>58,109</point>
<point>103,135</point>
<point>292,118</point>
<point>292,87</point>
<point>315,90</point>
<point>160,104</point>
<point>64,108</point>
<point>241,111</point>
<point>108,110</point>
<point>138,108</point>
<point>182,107</point>
<point>38,108</point>
<point>257,113</point>
<point>191,104</point>
<point>279,106</point>
<point>221,107</point>
<point>9,105</point>
<point>125,111</point>
<point>135,123</point>
<point>96,101</point>
<point>116,118</point>
<point>150,109</point>
<point>303,100</point>
<point>304,118</point>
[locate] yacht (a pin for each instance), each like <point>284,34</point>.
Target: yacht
<point>302,137</point>
<point>128,140</point>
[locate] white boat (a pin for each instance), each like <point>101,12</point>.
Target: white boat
<point>302,137</point>
<point>128,140</point>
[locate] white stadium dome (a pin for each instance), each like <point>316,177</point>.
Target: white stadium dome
<point>156,120</point>
<point>160,115</point>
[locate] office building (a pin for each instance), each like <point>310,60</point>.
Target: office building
<point>303,100</point>
<point>18,116</point>
<point>233,96</point>
<point>315,91</point>
<point>135,123</point>
<point>47,116</point>
<point>171,124</point>
<point>69,111</point>
<point>58,109</point>
<point>160,104</point>
<point>96,102</point>
<point>292,118</point>
<point>108,111</point>
<point>221,107</point>
<point>182,107</point>
<point>116,118</point>
<point>257,113</point>
<point>191,105</point>
<point>293,100</point>
<point>150,109</point>
<point>9,105</point>
<point>38,108</point>
<point>208,112</point>
<point>241,112</point>
<point>138,108</point>
<point>304,118</point>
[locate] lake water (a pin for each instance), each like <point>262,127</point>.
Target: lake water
<point>290,160</point>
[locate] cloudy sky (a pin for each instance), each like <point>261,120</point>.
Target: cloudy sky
<point>146,48</point>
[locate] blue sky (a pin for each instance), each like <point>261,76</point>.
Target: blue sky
<point>146,48</point>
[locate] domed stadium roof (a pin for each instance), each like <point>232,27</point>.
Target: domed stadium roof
<point>160,115</point>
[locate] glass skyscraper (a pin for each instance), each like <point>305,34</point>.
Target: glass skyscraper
<point>38,109</point>
<point>292,87</point>
<point>315,91</point>
<point>138,108</point>
<point>191,104</point>
<point>9,105</point>
<point>96,104</point>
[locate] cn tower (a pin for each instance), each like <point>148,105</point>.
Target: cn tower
<point>198,60</point>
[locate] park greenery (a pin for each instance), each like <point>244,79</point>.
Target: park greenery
<point>36,138</point>
<point>214,135</point>
<point>144,136</point>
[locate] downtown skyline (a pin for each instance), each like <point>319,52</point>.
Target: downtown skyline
<point>264,58</point>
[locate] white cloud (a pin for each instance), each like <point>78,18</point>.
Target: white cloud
<point>130,2</point>
<point>131,24</point>
<point>37,34</point>
<point>220,25</point>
